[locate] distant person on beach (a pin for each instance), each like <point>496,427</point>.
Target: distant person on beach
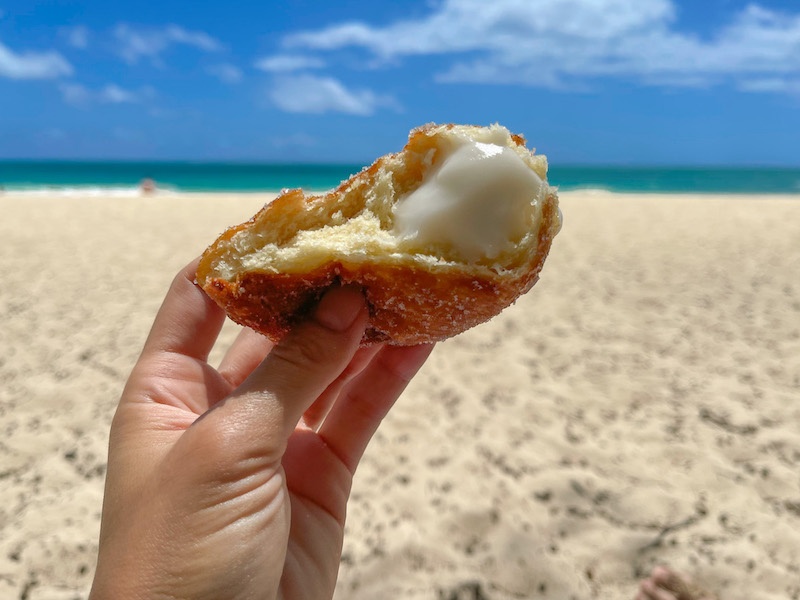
<point>147,186</point>
<point>233,482</point>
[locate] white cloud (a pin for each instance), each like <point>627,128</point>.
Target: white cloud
<point>774,85</point>
<point>198,39</point>
<point>566,43</point>
<point>75,94</point>
<point>79,95</point>
<point>114,94</point>
<point>32,65</point>
<point>285,63</point>
<point>318,95</point>
<point>135,44</point>
<point>225,72</point>
<point>77,36</point>
<point>467,25</point>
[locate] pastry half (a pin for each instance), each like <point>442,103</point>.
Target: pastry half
<point>441,236</point>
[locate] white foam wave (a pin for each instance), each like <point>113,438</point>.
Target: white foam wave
<point>86,191</point>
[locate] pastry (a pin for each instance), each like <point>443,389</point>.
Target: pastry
<point>441,236</point>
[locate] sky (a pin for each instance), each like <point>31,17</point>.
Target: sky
<point>643,82</point>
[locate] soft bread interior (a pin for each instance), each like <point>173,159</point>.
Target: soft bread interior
<point>355,224</point>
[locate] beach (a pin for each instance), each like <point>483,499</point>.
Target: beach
<point>640,406</point>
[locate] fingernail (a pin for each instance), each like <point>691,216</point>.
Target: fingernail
<point>339,308</point>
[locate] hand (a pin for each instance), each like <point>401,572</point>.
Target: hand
<point>233,482</point>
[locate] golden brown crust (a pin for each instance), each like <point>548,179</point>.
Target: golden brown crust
<point>408,305</point>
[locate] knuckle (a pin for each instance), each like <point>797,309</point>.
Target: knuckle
<point>304,351</point>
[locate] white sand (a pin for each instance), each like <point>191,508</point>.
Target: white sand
<point>640,406</point>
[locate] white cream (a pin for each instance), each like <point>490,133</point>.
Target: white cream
<point>479,203</point>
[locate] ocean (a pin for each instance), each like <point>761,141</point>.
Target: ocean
<point>124,177</point>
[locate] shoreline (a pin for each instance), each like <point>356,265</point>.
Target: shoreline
<point>177,177</point>
<point>136,192</point>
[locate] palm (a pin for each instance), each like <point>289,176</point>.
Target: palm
<point>180,389</point>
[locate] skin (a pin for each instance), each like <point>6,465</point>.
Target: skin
<point>232,483</point>
<point>666,584</point>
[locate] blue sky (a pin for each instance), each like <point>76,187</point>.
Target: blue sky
<point>586,81</point>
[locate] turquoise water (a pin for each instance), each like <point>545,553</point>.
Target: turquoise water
<point>183,176</point>
<point>187,176</point>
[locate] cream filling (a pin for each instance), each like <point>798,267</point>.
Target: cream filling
<point>479,203</point>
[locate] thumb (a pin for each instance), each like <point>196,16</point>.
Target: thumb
<point>311,357</point>
<point>266,408</point>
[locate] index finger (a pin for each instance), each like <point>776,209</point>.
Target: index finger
<point>188,321</point>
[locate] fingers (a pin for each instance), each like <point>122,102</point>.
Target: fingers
<point>355,416</point>
<point>666,584</point>
<point>266,408</point>
<point>648,590</point>
<point>675,586</point>
<point>244,355</point>
<point>316,413</point>
<point>188,321</point>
